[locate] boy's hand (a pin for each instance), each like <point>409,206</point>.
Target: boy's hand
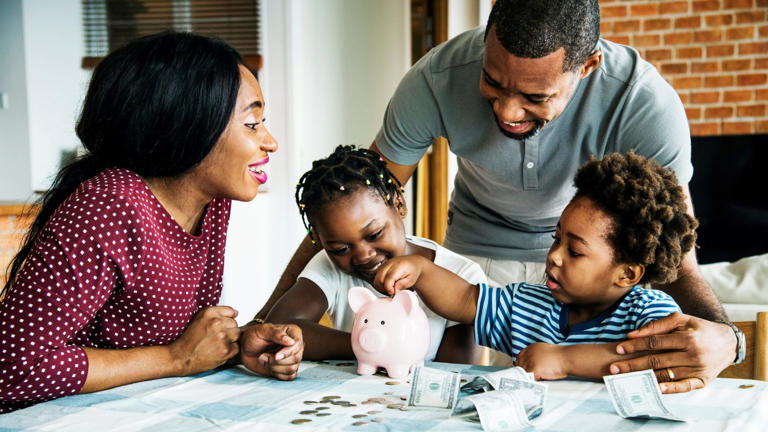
<point>398,273</point>
<point>546,361</point>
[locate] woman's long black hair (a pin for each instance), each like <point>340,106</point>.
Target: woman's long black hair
<point>156,106</point>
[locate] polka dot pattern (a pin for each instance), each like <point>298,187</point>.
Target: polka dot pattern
<point>111,269</point>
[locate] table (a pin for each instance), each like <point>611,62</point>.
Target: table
<point>234,399</point>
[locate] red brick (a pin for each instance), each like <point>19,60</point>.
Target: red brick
<point>688,22</point>
<point>753,16</point>
<point>708,35</point>
<point>703,129</point>
<point>761,94</point>
<point>751,110</point>
<point>752,79</point>
<point>718,20</point>
<point>763,31</point>
<point>670,7</point>
<point>682,83</point>
<point>644,9</point>
<point>658,54</point>
<point>753,48</point>
<point>719,81</point>
<point>761,126</point>
<point>705,97</point>
<point>689,52</point>
<point>737,128</point>
<point>683,38</point>
<point>605,27</point>
<point>737,65</point>
<point>738,4</point>
<point>762,3</point>
<point>627,26</point>
<point>718,112</point>
<point>693,113</point>
<point>720,50</point>
<point>613,11</point>
<point>700,67</point>
<point>684,98</point>
<point>739,33</point>
<point>761,63</point>
<point>737,95</point>
<point>674,68</point>
<point>646,40</point>
<point>657,24</point>
<point>623,40</point>
<point>705,5</point>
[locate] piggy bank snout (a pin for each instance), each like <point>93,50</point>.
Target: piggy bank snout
<point>372,340</point>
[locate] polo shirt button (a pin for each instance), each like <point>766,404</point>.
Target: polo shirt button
<point>529,165</point>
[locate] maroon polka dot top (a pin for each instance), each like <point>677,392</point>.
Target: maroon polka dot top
<point>111,269</point>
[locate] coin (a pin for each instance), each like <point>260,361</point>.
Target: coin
<point>325,398</point>
<point>307,412</point>
<point>379,419</point>
<point>323,414</point>
<point>321,408</point>
<point>374,412</point>
<point>395,406</point>
<point>300,421</point>
<point>389,393</point>
<point>403,398</point>
<point>404,408</point>
<point>360,416</point>
<point>359,423</point>
<point>310,402</point>
<point>392,383</point>
<point>746,386</point>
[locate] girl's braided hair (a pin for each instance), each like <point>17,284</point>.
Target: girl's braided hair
<point>345,171</point>
<point>651,224</point>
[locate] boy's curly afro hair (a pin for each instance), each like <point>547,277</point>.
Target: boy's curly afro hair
<point>650,223</point>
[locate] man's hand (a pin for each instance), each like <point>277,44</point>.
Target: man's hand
<point>546,361</point>
<point>693,349</point>
<point>272,349</point>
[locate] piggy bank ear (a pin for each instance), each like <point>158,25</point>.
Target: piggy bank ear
<point>407,299</point>
<point>359,297</point>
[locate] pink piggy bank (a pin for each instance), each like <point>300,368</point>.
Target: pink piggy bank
<point>392,333</point>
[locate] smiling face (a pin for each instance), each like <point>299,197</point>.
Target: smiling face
<point>580,265</point>
<point>234,167</point>
<point>527,93</point>
<point>359,232</point>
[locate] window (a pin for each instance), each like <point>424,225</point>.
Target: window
<point>110,24</point>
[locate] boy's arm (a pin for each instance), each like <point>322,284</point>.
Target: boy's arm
<point>443,291</point>
<point>549,361</point>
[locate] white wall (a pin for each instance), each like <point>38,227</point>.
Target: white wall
<point>330,68</point>
<point>15,178</point>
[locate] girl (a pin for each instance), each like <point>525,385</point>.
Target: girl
<point>626,225</point>
<point>119,275</point>
<point>353,207</point>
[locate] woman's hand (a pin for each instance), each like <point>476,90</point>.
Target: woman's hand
<point>398,273</point>
<point>546,361</point>
<point>695,350</point>
<point>209,340</point>
<point>272,349</point>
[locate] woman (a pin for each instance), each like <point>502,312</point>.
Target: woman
<point>119,275</point>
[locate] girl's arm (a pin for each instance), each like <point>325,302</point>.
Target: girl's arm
<point>549,361</point>
<point>303,305</point>
<point>443,291</point>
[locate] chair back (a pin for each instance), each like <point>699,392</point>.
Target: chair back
<point>755,364</point>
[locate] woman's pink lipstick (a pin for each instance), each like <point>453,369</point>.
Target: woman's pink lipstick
<point>256,172</point>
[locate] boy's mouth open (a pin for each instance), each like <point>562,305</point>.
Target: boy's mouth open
<point>552,283</point>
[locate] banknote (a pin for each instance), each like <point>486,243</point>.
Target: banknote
<point>490,381</point>
<point>637,394</point>
<point>531,393</point>
<point>497,410</point>
<point>434,388</point>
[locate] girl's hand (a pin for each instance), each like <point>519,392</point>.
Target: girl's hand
<point>546,361</point>
<point>208,342</point>
<point>398,273</point>
<point>273,350</point>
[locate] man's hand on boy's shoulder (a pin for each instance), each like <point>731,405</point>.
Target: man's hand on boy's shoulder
<point>685,351</point>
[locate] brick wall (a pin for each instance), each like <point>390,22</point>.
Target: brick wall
<point>713,52</point>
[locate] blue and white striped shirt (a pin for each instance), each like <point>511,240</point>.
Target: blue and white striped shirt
<point>511,318</point>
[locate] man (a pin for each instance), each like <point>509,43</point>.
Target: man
<point>550,94</point>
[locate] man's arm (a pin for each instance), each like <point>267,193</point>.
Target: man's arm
<point>402,172</point>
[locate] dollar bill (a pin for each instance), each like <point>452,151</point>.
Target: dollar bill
<point>497,410</point>
<point>434,388</point>
<point>637,394</point>
<point>491,380</point>
<point>532,394</point>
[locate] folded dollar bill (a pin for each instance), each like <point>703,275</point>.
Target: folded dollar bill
<point>637,394</point>
<point>531,393</point>
<point>490,381</point>
<point>434,388</point>
<point>497,410</point>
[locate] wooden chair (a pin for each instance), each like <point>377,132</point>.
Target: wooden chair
<point>755,364</point>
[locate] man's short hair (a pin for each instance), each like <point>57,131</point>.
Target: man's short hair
<point>536,28</point>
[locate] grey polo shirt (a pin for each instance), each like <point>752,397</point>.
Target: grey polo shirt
<point>509,194</point>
